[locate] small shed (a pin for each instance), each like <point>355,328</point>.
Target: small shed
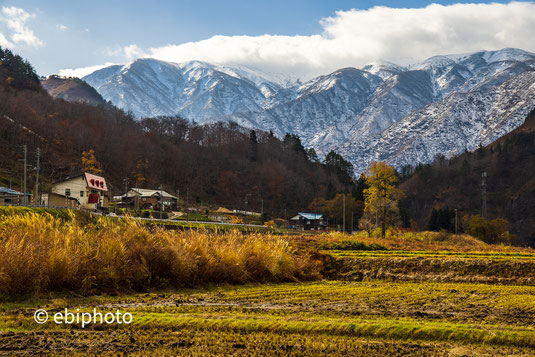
<point>9,196</point>
<point>308,221</point>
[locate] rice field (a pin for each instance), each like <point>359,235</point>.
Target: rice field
<point>326,317</point>
<point>228,293</point>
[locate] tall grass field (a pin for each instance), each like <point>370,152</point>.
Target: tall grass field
<point>42,253</point>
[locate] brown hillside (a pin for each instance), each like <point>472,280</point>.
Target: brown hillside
<point>72,90</point>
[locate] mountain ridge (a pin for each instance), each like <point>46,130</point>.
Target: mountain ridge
<point>340,111</point>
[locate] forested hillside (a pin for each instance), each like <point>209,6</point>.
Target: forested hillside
<point>457,183</point>
<point>218,163</point>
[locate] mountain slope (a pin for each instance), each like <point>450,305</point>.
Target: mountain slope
<point>357,111</point>
<point>460,122</point>
<point>195,90</point>
<point>72,90</point>
<point>456,183</point>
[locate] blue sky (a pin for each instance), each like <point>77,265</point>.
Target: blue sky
<point>74,34</point>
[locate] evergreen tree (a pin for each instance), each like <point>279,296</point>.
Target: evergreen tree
<point>293,142</point>
<point>359,187</point>
<point>312,156</point>
<point>432,226</point>
<point>254,145</point>
<point>16,72</point>
<point>340,166</point>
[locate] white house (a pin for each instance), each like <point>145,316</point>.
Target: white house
<point>88,189</point>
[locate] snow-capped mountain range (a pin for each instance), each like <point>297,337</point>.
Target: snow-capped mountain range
<point>382,111</point>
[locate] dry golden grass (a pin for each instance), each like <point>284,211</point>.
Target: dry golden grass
<point>412,241</point>
<point>42,253</point>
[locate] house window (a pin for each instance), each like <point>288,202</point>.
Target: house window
<point>81,193</point>
<point>67,192</point>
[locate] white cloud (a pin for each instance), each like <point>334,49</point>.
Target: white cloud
<point>15,19</point>
<point>357,37</point>
<point>62,27</point>
<point>4,42</point>
<point>133,51</point>
<point>83,71</point>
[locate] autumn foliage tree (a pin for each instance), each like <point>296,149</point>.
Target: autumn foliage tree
<point>90,163</point>
<point>381,196</point>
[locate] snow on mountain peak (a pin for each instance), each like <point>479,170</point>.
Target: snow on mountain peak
<point>435,61</point>
<point>403,115</point>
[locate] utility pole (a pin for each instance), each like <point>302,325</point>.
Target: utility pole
<point>262,200</point>
<point>37,178</point>
<point>24,199</point>
<point>344,214</point>
<point>161,202</point>
<point>246,202</point>
<point>137,196</point>
<point>352,222</point>
<point>484,194</point>
<point>456,225</point>
<point>125,182</point>
<point>187,196</point>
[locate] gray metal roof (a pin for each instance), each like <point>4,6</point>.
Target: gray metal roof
<point>310,216</point>
<point>147,193</point>
<point>8,191</point>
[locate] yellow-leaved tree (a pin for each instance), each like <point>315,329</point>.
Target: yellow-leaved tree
<point>139,174</point>
<point>90,163</point>
<point>381,197</point>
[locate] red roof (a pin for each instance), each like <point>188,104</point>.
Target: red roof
<point>96,182</point>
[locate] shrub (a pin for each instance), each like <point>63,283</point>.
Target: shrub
<point>489,231</point>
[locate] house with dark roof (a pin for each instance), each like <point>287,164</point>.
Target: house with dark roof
<point>307,221</point>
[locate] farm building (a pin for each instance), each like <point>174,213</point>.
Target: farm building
<point>57,200</point>
<point>9,196</point>
<point>88,189</point>
<point>307,221</point>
